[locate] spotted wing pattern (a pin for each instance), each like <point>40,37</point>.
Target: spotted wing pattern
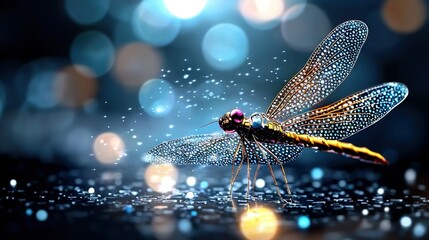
<point>330,63</point>
<point>217,149</point>
<point>350,114</point>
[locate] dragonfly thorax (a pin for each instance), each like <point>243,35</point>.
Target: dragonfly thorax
<point>230,121</point>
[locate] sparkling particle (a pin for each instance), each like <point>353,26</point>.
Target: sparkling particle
<point>91,190</point>
<point>365,212</point>
<point>406,221</point>
<point>13,183</point>
<point>189,195</point>
<point>380,191</point>
<point>191,181</point>
<point>260,183</point>
<point>386,209</point>
<point>41,215</point>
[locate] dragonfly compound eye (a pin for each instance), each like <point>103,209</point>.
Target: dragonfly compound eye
<point>237,115</point>
<point>257,121</point>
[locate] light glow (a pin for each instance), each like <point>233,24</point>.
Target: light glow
<point>258,223</point>
<point>161,177</point>
<point>185,9</point>
<point>108,148</point>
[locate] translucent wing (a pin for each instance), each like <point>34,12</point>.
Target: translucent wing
<point>327,67</point>
<point>216,149</point>
<point>350,114</point>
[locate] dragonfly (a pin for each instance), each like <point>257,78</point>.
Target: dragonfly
<point>289,125</point>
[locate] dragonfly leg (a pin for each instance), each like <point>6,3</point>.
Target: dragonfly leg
<point>286,182</point>
<point>248,178</point>
<point>254,178</point>
<point>234,177</point>
<point>275,181</point>
<point>262,148</point>
<point>245,155</point>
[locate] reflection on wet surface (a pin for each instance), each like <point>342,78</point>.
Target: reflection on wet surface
<point>112,204</point>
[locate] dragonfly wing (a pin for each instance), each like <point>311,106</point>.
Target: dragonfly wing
<point>330,63</point>
<point>350,114</point>
<point>215,149</point>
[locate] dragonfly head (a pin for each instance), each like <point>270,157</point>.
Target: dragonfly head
<point>231,120</point>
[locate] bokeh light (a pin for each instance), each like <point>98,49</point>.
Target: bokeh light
<point>419,230</point>
<point>28,212</point>
<point>185,9</point>
<point>163,227</point>
<point>303,222</point>
<point>258,223</point>
<point>91,190</point>
<point>406,221</point>
<point>404,16</point>
<point>86,12</point>
<point>184,225</point>
<point>13,183</point>
<point>2,98</point>
<point>135,63</point>
<point>41,90</point>
<point>305,31</point>
<point>94,50</point>
<point>108,148</point>
<point>410,176</point>
<point>153,24</point>
<point>293,9</point>
<point>262,14</point>
<point>75,86</point>
<point>38,79</point>
<point>122,10</point>
<point>225,46</point>
<point>260,183</point>
<point>316,173</point>
<point>161,177</point>
<point>41,215</point>
<point>191,181</point>
<point>156,97</point>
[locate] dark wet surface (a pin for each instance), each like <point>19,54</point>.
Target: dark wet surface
<point>111,204</point>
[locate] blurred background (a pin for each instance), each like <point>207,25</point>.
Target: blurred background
<point>97,83</point>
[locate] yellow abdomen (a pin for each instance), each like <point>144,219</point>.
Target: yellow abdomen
<point>348,149</point>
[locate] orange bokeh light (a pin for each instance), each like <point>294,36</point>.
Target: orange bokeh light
<point>258,223</point>
<point>261,11</point>
<point>161,177</point>
<point>404,16</point>
<point>135,63</point>
<point>108,148</point>
<point>75,86</point>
